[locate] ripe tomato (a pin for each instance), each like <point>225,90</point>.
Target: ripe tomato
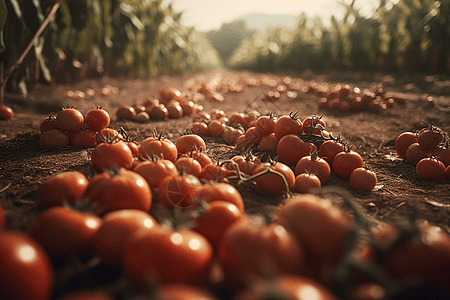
<point>188,165</point>
<point>200,156</point>
<point>174,111</point>
<point>178,190</point>
<point>429,138</point>
<point>48,124</point>
<point>25,269</point>
<point>168,94</point>
<point>265,125</point>
<point>125,112</point>
<point>315,121</point>
<point>329,149</point>
<point>214,172</point>
<point>220,191</point>
<point>415,153</point>
<point>6,112</point>
<point>97,119</point>
<point>83,138</point>
<point>111,155</point>
<point>403,141</point>
<point>363,179</point>
<point>189,108</point>
<point>181,291</point>
<point>345,162</point>
<point>314,165</point>
<point>320,227</point>
<point>291,148</point>
<point>155,170</point>
<point>305,183</point>
<point>216,128</point>
<point>199,128</point>
<point>230,135</point>
<point>247,249</point>
<point>443,154</point>
<point>107,134</point>
<point>117,226</point>
<point>189,142</point>
<point>252,137</point>
<point>158,112</point>
<point>273,184</point>
<point>53,138</point>
<point>246,163</point>
<point>121,190</point>
<point>69,119</point>
<point>176,256</point>
<point>287,125</point>
<point>63,188</point>
<point>159,146</point>
<point>64,232</point>
<point>430,169</point>
<point>269,144</point>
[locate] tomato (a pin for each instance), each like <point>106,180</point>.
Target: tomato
<point>158,112</point>
<point>159,146</point>
<point>200,156</point>
<point>181,291</point>
<point>63,188</point>
<point>48,124</point>
<point>265,125</point>
<point>216,128</point>
<point>214,172</point>
<point>363,179</point>
<point>87,295</point>
<point>236,118</point>
<point>25,269</point>
<point>199,128</point>
<point>246,163</point>
<point>53,138</point>
<point>291,148</point>
<point>287,125</point>
<point>64,232</point>
<point>403,141</point>
<point>220,191</point>
<point>107,134</point>
<point>176,256</point>
<point>429,138</point>
<point>305,183</point>
<point>122,190</point>
<point>69,119</point>
<point>315,121</point>
<point>269,144</point>
<point>443,154</point>
<point>2,219</point>
<point>241,142</point>
<point>178,190</point>
<point>415,153</point>
<point>292,287</point>
<point>320,227</point>
<point>6,112</point>
<point>230,135</point>
<point>188,165</point>
<point>188,108</point>
<point>139,108</point>
<point>125,112</point>
<point>430,169</point>
<point>168,94</point>
<point>174,111</point>
<point>97,119</point>
<point>247,249</point>
<point>273,184</point>
<point>117,226</point>
<point>142,117</point>
<point>83,138</point>
<point>329,149</point>
<point>113,154</point>
<point>345,162</point>
<point>189,142</point>
<point>314,165</point>
<point>155,170</point>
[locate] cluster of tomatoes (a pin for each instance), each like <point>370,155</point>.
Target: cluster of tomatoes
<point>344,98</point>
<point>428,150</point>
<point>89,93</point>
<point>71,128</point>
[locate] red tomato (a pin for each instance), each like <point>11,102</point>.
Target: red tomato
<point>415,153</point>
<point>252,137</point>
<point>215,218</point>
<point>199,128</point>
<point>64,232</point>
<point>190,142</point>
<point>48,124</point>
<point>200,156</point>
<point>168,94</point>
<point>6,112</point>
<point>269,144</point>
<point>25,269</point>
<point>180,291</point>
<point>63,188</point>
<point>117,226</point>
<point>287,125</point>
<point>111,155</point>
<point>155,170</point>
<point>230,135</point>
<point>216,128</point>
<point>315,121</point>
<point>247,249</point>
<point>430,169</point>
<point>362,179</point>
<point>83,138</point>
<point>178,190</point>
<point>429,138</point>
<point>220,191</point>
<point>97,119</point>
<point>214,172</point>
<point>305,183</point>
<point>345,162</point>
<point>125,112</point>
<point>329,149</point>
<point>246,163</point>
<point>265,125</point>
<point>188,108</point>
<point>158,112</point>
<point>53,138</point>
<point>159,146</point>
<point>273,184</point>
<point>291,148</point>
<point>314,165</point>
<point>174,111</point>
<point>122,190</point>
<point>69,119</point>
<point>176,256</point>
<point>443,154</point>
<point>107,134</point>
<point>403,141</point>
<point>188,165</point>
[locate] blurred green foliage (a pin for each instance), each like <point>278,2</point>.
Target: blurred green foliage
<point>410,35</point>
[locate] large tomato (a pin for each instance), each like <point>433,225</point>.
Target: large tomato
<point>273,184</point>
<point>179,190</point>
<point>329,149</point>
<point>403,141</point>
<point>111,155</point>
<point>97,119</point>
<point>190,142</point>
<point>345,162</point>
<point>25,269</point>
<point>69,119</point>
<point>159,146</point>
<point>363,179</point>
<point>220,191</point>
<point>155,170</point>
<point>64,232</point>
<point>121,190</point>
<point>167,256</point>
<point>291,148</point>
<point>290,124</point>
<point>265,125</point>
<point>314,165</point>
<point>430,169</point>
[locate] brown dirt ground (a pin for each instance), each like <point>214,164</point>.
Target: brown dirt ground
<point>24,165</point>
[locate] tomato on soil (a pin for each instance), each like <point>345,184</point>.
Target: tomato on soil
<point>97,119</point>
<point>83,138</point>
<point>111,155</point>
<point>125,112</point>
<point>188,165</point>
<point>429,138</point>
<point>190,142</point>
<point>314,165</point>
<point>290,124</point>
<point>155,170</point>
<point>179,190</point>
<point>430,169</point>
<point>403,141</point>
<point>213,172</point>
<point>329,149</point>
<point>53,138</point>
<point>291,148</point>
<point>415,153</point>
<point>6,112</point>
<point>345,162</point>
<point>69,119</point>
<point>159,146</point>
<point>48,124</point>
<point>363,179</point>
<point>216,128</point>
<point>305,183</point>
<point>269,144</point>
<point>313,121</point>
<point>220,191</point>
<point>271,183</point>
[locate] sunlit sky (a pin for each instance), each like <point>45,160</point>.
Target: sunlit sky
<point>205,15</point>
